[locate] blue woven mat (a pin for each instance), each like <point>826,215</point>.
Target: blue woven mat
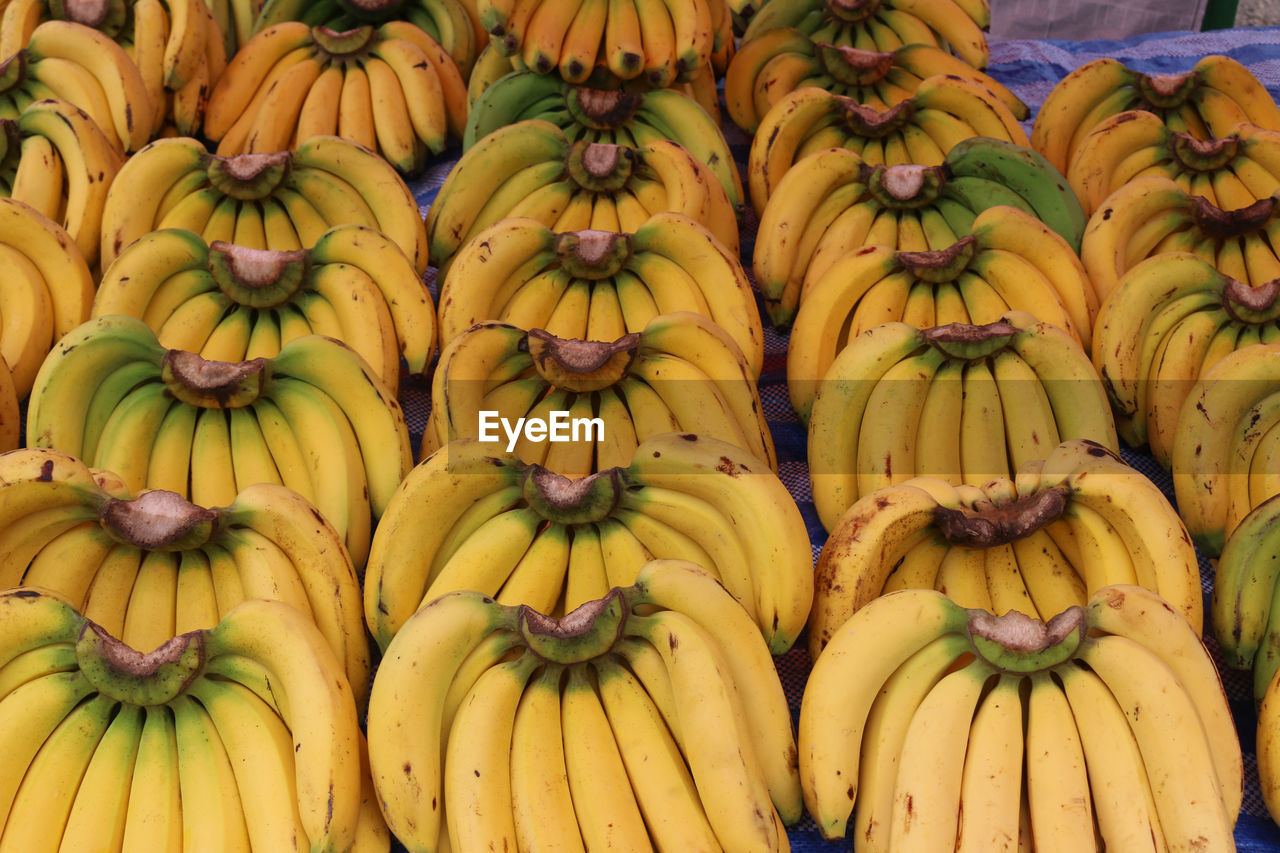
<point>1030,69</point>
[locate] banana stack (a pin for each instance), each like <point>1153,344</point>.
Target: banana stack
<point>615,116</point>
<point>522,534</point>
<point>832,202</point>
<point>611,44</point>
<point>46,288</point>
<point>228,302</point>
<point>1010,261</point>
<point>150,567</point>
<point>57,160</point>
<point>244,735</point>
<point>921,129</point>
<point>958,25</point>
<point>930,726</point>
<point>1153,215</point>
<point>453,24</point>
<point>1226,443</point>
<point>531,169</point>
<point>327,181</point>
<point>652,718</point>
<point>599,285</point>
<point>314,418</point>
<point>1217,94</point>
<point>1170,319</point>
<point>176,45</point>
<point>961,403</point>
<point>391,88</point>
<point>780,61</point>
<point>1230,171</point>
<point>681,373</point>
<point>1057,530</point>
<point>79,64</point>
<point>1244,597</point>
<point>702,87</point>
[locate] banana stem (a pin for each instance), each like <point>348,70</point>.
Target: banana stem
<point>586,632</point>
<point>1000,525</point>
<point>126,674</point>
<point>1016,642</point>
<point>158,520</point>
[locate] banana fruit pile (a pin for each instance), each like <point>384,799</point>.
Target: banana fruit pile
<point>338,512</point>
<point>1105,727</point>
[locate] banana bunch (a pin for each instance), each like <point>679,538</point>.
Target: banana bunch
<point>919,718</point>
<point>650,718</point>
<point>176,45</point>
<point>523,534</point>
<point>1230,171</point>
<point>1153,215</point>
<point>1207,101</point>
<point>46,290</point>
<point>599,285</point>
<point>1169,320</point>
<point>920,129</point>
<point>76,63</point>
<point>314,418</point>
<point>832,202</point>
<point>658,42</point>
<point>1010,261</point>
<point>1036,541</point>
<point>57,160</point>
<point>283,200</point>
<point>885,25</point>
<point>10,410</point>
<point>681,373</point>
<point>532,169</point>
<point>228,302</point>
<point>617,116</point>
<point>702,86</point>
<point>243,736</point>
<point>391,88</point>
<point>149,567</point>
<point>1226,443</point>
<point>447,22</point>
<point>961,403</point>
<point>1244,594</point>
<point>781,61</point>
